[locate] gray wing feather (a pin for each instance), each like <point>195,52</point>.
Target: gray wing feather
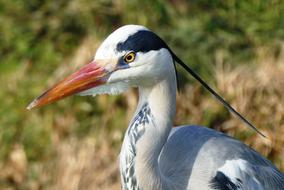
<point>253,178</point>
<point>268,176</point>
<point>192,156</point>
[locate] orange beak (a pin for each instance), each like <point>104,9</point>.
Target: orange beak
<point>89,76</point>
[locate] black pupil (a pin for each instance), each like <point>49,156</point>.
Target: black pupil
<point>129,57</point>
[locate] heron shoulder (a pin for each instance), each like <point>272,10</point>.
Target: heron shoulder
<point>240,174</point>
<point>211,158</point>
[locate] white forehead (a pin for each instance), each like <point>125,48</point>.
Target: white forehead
<point>108,48</point>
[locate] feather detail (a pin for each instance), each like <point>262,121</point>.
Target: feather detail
<point>112,89</point>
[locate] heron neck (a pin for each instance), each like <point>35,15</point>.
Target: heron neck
<point>147,133</point>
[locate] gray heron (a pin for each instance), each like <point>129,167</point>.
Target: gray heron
<point>154,155</point>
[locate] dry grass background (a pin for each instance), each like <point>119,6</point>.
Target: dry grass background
<point>91,162</point>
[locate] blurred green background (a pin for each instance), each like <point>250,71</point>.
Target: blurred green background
<point>237,46</point>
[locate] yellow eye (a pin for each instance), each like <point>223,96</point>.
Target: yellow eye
<point>128,58</point>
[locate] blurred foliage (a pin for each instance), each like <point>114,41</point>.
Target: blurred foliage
<point>36,36</point>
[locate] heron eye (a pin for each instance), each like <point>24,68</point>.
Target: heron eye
<point>128,58</point>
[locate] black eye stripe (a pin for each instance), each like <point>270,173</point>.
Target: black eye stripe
<point>142,41</point>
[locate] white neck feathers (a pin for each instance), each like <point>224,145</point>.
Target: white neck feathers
<point>147,133</point>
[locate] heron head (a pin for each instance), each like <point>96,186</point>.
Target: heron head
<point>130,56</point>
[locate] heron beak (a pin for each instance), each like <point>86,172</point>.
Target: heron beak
<point>89,76</point>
